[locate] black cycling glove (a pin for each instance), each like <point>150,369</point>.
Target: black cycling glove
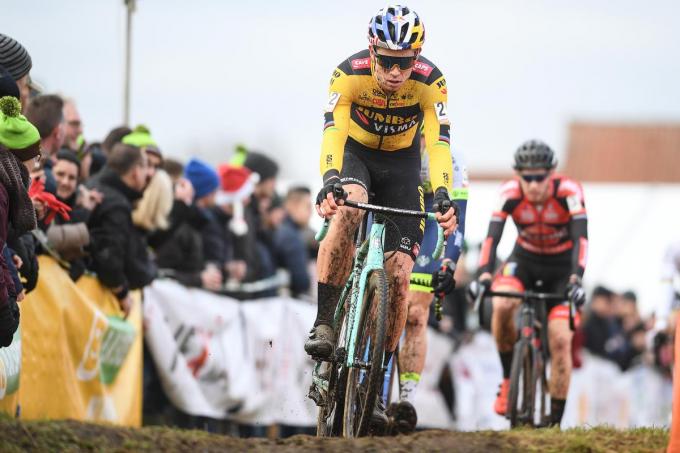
<point>441,202</point>
<point>477,287</point>
<point>442,279</point>
<point>576,293</point>
<point>332,185</point>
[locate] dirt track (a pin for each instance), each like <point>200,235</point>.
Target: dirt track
<point>75,436</point>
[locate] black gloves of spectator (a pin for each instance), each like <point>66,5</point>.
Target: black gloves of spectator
<point>9,321</point>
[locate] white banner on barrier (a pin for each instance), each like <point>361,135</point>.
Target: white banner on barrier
<point>599,393</point>
<point>220,358</point>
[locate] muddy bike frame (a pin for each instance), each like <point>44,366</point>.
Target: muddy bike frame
<point>369,257</point>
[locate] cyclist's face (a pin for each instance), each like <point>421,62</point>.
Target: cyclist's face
<point>535,184</point>
<point>391,79</point>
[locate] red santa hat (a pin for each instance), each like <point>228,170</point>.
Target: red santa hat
<point>236,183</point>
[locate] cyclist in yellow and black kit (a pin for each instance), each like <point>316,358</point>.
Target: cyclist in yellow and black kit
<point>378,99</point>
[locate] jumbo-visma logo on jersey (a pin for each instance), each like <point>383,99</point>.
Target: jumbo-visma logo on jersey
<point>378,121</point>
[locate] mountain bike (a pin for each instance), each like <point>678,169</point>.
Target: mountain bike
<point>346,388</point>
<point>528,374</point>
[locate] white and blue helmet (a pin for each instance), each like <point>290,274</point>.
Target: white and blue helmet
<point>396,27</point>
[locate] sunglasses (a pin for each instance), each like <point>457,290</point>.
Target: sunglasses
<point>535,178</point>
<point>388,62</point>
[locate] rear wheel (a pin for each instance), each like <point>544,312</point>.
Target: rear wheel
<point>388,384</point>
<point>329,418</point>
<point>485,312</point>
<point>365,377</point>
<point>542,389</point>
<point>521,396</point>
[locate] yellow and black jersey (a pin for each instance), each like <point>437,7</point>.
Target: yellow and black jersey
<point>359,109</point>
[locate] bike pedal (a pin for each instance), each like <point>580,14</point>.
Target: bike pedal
<point>340,355</point>
<point>315,395</point>
<point>320,359</point>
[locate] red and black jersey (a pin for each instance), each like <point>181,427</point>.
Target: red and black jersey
<point>554,227</point>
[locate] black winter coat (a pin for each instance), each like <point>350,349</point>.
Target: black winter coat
<point>179,250</point>
<point>118,250</point>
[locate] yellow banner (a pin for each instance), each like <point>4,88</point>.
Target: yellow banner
<point>80,359</point>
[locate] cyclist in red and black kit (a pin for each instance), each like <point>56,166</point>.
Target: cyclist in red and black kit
<point>549,212</point>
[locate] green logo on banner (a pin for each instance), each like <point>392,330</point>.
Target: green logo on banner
<point>116,344</point>
<point>10,366</point>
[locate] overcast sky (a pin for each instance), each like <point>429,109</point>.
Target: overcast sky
<point>209,74</point>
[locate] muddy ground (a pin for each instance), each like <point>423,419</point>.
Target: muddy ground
<point>77,436</point>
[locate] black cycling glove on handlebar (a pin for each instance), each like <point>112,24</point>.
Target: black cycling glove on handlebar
<point>441,202</point>
<point>442,279</point>
<point>576,293</point>
<point>331,184</point>
<point>477,287</point>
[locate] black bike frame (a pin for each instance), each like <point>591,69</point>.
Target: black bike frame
<point>533,302</point>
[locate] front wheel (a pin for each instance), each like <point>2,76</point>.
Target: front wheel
<point>522,394</point>
<point>366,374</point>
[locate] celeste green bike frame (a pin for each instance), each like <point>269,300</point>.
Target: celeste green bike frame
<point>369,257</point>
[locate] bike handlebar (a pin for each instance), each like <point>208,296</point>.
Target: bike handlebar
<point>548,297</point>
<point>439,249</point>
<point>526,295</point>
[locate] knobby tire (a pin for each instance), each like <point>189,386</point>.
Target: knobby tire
<point>521,407</point>
<point>361,395</point>
<point>329,419</point>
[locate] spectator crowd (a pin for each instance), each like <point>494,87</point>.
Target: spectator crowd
<point>122,210</point>
<point>614,330</point>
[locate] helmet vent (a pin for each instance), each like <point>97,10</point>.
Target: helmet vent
<point>390,29</point>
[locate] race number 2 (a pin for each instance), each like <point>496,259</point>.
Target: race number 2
<point>332,101</point>
<point>442,113</point>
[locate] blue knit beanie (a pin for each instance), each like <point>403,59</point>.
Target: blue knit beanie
<point>203,177</point>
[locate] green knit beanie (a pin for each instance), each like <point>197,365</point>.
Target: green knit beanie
<point>17,134</point>
<point>239,156</point>
<point>141,138</point>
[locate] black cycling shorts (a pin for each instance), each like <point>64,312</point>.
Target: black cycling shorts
<point>523,270</point>
<point>394,181</point>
